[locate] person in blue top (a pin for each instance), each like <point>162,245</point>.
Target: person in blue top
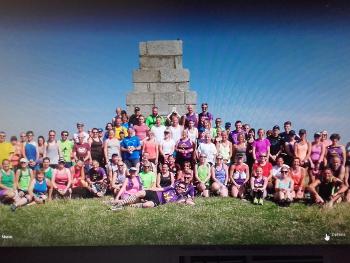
<point>40,188</point>
<point>30,151</point>
<point>131,147</point>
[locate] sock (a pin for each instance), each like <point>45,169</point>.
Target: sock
<point>131,199</point>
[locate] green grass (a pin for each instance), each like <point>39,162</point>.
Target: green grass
<point>212,221</point>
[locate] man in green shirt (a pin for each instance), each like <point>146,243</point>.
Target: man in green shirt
<point>148,178</point>
<point>151,119</point>
<point>66,148</point>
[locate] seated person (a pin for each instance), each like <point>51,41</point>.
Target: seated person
<point>40,188</point>
<point>97,180</point>
<point>79,184</point>
<point>131,185</point>
<point>239,176</point>
<point>7,183</point>
<point>284,188</point>
<point>258,184</point>
<point>61,181</point>
<point>148,178</point>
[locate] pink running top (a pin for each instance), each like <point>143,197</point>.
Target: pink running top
<point>151,148</point>
<point>62,178</point>
<point>316,150</point>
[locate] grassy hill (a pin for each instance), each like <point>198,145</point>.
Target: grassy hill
<point>211,221</point>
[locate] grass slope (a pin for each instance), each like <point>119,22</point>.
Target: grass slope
<point>211,221</point>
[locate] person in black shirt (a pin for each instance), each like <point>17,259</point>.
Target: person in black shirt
<point>276,144</point>
<point>134,118</point>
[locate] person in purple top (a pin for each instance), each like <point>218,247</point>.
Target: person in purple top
<point>233,136</point>
<point>97,179</point>
<point>205,112</point>
<point>155,197</point>
<point>189,116</point>
<point>261,146</point>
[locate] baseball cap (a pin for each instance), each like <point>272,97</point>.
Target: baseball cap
<point>100,130</point>
<point>227,124</point>
<point>23,160</point>
<point>292,132</point>
<point>137,109</point>
<point>80,124</point>
<point>133,169</point>
<point>61,160</point>
<point>317,134</point>
<point>276,127</point>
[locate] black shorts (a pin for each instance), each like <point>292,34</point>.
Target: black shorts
<point>152,196</point>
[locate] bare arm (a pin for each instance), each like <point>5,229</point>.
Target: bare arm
<point>158,180</point>
<point>122,189</point>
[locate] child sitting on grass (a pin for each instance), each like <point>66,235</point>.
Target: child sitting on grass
<point>258,185</point>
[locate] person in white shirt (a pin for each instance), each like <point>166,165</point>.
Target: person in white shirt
<point>158,130</point>
<point>175,128</point>
<point>276,169</point>
<point>80,127</point>
<point>208,148</point>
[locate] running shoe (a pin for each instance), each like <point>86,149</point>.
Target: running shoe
<point>117,208</point>
<point>256,201</point>
<point>260,201</point>
<point>13,207</point>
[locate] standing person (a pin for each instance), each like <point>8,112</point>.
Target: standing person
<point>202,175</point>
<point>189,116</point>
<point>111,146</point>
<point>289,148</point>
<point>184,149</point>
<point>165,177</point>
<point>219,177</point>
<point>40,189</point>
<point>239,176</point>
<point>286,134</point>
<point>151,119</point>
<point>205,113</point>
<point>324,139</point>
<point>225,148</point>
<point>192,131</point>
<point>7,183</point>
<point>151,146</point>
<point>125,121</point>
<point>216,127</point>
<point>118,114</point>
<point>261,146</point>
<point>134,118</point>
<point>302,149</point>
<point>66,148</point>
<point>131,146</point>
<point>317,151</point>
<point>82,151</point>
<point>108,128</point>
<point>336,149</point>
<point>148,178</point>
<point>258,185</point>
<point>298,175</point>
<point>284,188</point>
<point>240,148</point>
<point>250,140</point>
<point>48,171</point>
<point>17,152</point>
<point>118,128</point>
<point>208,148</point>
<point>30,150</point>
<point>41,148</point>
<point>158,129</point>
<point>233,136</point>
<point>61,181</point>
<point>80,132</point>
<point>322,190</point>
<point>228,127</point>
<point>79,184</point>
<point>6,149</point>
<point>96,147</point>
<point>276,144</point>
<point>52,149</point>
<point>97,180</point>
<point>23,139</point>
<point>176,129</point>
<point>141,129</point>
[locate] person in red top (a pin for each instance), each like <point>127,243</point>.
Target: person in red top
<point>267,170</point>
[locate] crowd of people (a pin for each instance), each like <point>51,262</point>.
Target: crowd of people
<point>146,161</point>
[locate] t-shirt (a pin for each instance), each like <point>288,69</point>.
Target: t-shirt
<point>96,175</point>
<point>66,148</point>
<point>151,120</point>
<point>147,179</point>
<point>117,130</point>
<point>141,131</point>
<point>6,149</point>
<point>266,168</point>
<point>209,150</point>
<point>158,132</point>
<point>176,132</point>
<point>168,146</point>
<point>128,142</point>
<point>81,150</point>
<point>30,149</point>
<point>151,148</point>
<point>261,147</point>
<point>233,136</point>
<point>275,143</point>
<point>169,195</point>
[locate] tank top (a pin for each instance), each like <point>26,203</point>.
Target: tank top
<point>151,148</point>
<point>52,151</point>
<point>192,135</point>
<point>302,150</point>
<point>40,188</point>
<point>334,150</point>
<point>113,147</point>
<point>224,150</point>
<point>97,150</point>
<point>258,182</point>
<point>316,152</point>
<point>48,173</point>
<point>189,118</point>
<point>120,177</point>
<point>76,176</point>
<point>185,145</point>
<point>24,179</point>
<point>7,179</point>
<point>165,180</point>
<point>239,174</point>
<point>133,186</point>
<point>242,151</point>
<point>167,146</point>
<point>220,174</point>
<point>203,171</point>
<point>61,178</point>
<point>296,176</point>
<point>284,185</point>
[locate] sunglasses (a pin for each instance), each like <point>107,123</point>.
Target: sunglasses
<point>64,134</point>
<point>284,172</point>
<point>181,187</point>
<point>187,177</point>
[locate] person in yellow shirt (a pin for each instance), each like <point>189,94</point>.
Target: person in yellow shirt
<point>6,148</point>
<point>118,128</point>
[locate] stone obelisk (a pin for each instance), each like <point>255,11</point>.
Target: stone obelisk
<point>161,80</point>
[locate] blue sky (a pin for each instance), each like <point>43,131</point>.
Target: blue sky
<point>262,66</point>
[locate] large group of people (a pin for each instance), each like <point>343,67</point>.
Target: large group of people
<point>146,161</point>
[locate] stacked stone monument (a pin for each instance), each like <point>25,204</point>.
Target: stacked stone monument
<point>161,80</point>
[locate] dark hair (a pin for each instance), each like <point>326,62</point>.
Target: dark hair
<point>46,158</point>
<point>107,125</point>
<point>29,132</point>
<point>52,131</point>
<point>288,123</point>
<point>64,132</point>
<point>335,136</point>
<point>114,155</point>
<point>251,129</point>
<point>13,138</point>
<point>237,122</point>
<point>41,137</point>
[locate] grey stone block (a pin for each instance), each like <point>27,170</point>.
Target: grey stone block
<point>143,48</point>
<point>139,98</point>
<point>170,97</point>
<point>154,62</point>
<point>190,97</point>
<point>145,109</point>
<point>146,76</point>
<point>141,87</point>
<point>182,86</point>
<point>174,75</point>
<point>163,87</point>
<point>180,108</point>
<point>164,48</point>
<point>178,62</point>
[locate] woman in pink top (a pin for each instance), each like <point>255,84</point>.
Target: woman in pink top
<point>61,181</point>
<point>298,173</point>
<point>317,151</point>
<point>150,146</point>
<point>261,146</point>
<point>78,178</point>
<point>131,185</point>
<point>141,128</point>
<point>302,149</point>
